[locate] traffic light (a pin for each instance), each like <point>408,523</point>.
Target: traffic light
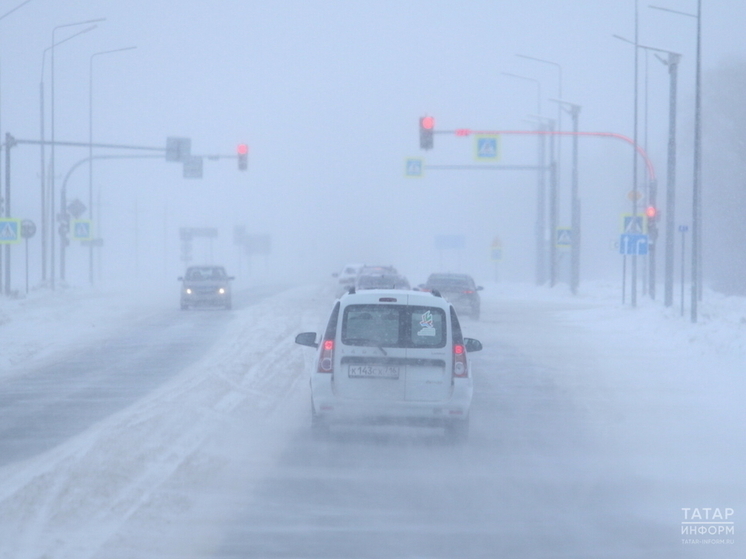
<point>427,125</point>
<point>651,212</point>
<point>243,156</point>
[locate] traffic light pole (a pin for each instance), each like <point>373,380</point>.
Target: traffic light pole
<point>11,142</point>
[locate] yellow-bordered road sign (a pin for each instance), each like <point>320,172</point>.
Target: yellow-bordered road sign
<point>414,167</point>
<point>82,229</point>
<point>10,230</point>
<point>634,225</point>
<point>487,147</point>
<point>563,237</point>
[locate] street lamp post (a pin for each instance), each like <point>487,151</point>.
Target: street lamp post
<point>550,125</point>
<point>51,157</point>
<point>7,192</point>
<point>574,111</point>
<point>673,64</point>
<point>558,160</point>
<point>42,170</point>
<point>697,175</point>
<point>541,186</point>
<point>90,148</point>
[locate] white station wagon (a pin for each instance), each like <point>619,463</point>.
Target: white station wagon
<point>390,356</point>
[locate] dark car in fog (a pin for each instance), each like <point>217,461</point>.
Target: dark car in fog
<point>206,286</point>
<point>381,281</point>
<point>459,289</point>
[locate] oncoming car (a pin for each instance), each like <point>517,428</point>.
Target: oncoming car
<point>206,286</point>
<point>391,356</point>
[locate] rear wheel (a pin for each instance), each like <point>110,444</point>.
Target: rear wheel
<point>319,426</point>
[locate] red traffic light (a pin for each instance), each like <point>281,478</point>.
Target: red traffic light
<point>651,212</point>
<point>243,156</point>
<point>427,123</point>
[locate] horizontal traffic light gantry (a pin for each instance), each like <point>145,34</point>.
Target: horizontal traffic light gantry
<point>427,126</point>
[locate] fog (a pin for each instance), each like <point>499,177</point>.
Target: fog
<point>130,428</point>
<point>327,96</point>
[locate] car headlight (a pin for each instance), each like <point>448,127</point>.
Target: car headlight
<point>188,291</point>
<point>221,290</point>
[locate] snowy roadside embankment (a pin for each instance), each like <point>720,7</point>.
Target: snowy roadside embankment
<point>46,322</point>
<point>653,382</point>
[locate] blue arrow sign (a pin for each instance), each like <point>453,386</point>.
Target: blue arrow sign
<point>633,244</point>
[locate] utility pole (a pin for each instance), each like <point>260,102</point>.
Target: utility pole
<point>673,65</point>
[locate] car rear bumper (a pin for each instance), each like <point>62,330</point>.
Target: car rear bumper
<point>330,407</point>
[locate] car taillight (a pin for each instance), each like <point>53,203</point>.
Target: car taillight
<point>468,291</point>
<point>326,359</point>
<point>460,370</point>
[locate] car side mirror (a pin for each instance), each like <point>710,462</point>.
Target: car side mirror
<point>335,275</point>
<point>472,345</point>
<point>306,338</point>
<point>231,278</point>
<point>180,278</point>
<point>480,288</point>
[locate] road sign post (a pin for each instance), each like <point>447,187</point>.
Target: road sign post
<point>496,255</point>
<point>28,230</point>
<point>683,229</point>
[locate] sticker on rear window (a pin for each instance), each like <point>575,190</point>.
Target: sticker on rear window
<point>427,325</point>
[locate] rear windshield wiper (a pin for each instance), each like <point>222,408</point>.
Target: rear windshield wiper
<point>365,342</point>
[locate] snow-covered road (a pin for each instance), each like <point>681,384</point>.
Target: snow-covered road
<point>593,426</point>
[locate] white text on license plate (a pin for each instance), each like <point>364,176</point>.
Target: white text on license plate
<point>373,371</point>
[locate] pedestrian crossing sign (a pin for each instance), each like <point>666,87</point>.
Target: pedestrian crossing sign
<point>10,230</point>
<point>414,167</point>
<point>487,147</point>
<point>82,230</point>
<point>634,224</point>
<point>563,237</point>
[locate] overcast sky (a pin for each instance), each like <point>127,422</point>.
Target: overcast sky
<point>327,94</point>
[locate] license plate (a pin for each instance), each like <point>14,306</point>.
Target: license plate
<point>373,371</point>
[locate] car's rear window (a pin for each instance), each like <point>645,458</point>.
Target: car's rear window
<point>450,282</point>
<point>394,326</point>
